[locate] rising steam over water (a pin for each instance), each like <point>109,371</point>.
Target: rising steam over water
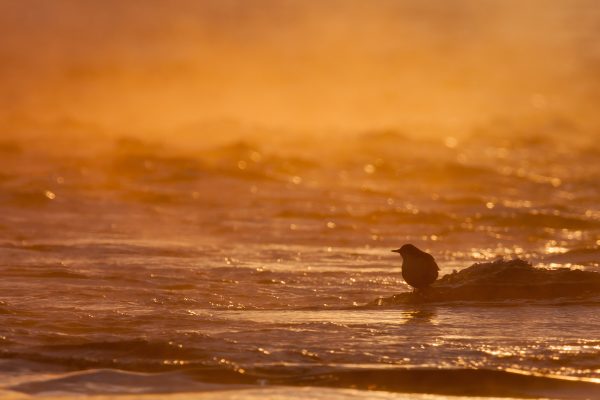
<point>203,198</point>
<point>424,66</point>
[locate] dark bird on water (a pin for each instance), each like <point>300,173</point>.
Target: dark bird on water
<point>419,269</point>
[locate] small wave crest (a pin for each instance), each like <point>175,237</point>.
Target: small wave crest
<point>103,381</point>
<point>137,354</point>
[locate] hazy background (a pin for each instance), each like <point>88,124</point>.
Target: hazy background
<point>174,66</point>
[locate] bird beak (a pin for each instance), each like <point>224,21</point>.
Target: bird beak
<point>396,251</point>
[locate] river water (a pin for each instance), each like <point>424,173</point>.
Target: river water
<point>246,268</point>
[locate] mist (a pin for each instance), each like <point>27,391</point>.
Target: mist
<point>429,68</point>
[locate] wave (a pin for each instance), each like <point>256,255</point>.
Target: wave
<point>103,381</point>
<point>4,309</point>
<point>575,256</point>
<point>103,247</point>
<point>470,382</point>
<point>395,216</point>
<point>503,280</point>
<point>137,354</point>
<point>539,219</point>
<point>147,164</point>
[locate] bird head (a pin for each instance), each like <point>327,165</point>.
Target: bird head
<point>407,250</point>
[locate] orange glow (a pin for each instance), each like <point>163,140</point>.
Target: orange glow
<point>199,198</point>
<point>428,68</point>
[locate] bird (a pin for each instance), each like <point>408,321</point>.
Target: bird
<point>419,268</point>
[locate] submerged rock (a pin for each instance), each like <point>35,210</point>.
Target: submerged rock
<point>504,280</point>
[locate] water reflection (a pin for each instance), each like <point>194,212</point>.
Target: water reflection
<point>421,316</point>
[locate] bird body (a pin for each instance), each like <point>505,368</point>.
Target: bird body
<point>419,269</point>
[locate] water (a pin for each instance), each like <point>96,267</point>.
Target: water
<point>251,268</point>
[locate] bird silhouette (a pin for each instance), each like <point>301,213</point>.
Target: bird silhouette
<point>419,269</point>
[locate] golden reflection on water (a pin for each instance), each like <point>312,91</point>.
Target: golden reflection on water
<point>426,316</point>
<point>552,247</point>
<point>334,317</point>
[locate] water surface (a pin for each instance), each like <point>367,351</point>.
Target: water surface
<point>249,266</point>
